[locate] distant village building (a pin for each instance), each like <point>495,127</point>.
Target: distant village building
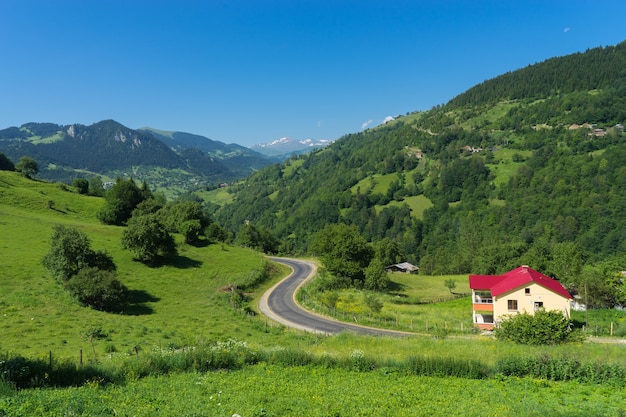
<point>405,267</point>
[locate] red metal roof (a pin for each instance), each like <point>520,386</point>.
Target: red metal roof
<point>518,277</point>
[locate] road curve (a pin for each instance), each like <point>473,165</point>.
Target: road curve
<point>279,304</point>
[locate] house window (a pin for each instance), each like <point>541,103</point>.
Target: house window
<point>538,305</point>
<point>512,304</point>
<point>527,291</point>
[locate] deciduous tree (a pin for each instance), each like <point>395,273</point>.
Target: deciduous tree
<point>147,238</point>
<point>343,250</point>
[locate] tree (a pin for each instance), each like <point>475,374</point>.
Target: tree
<point>376,278</point>
<point>97,288</point>
<point>27,166</point>
<point>185,217</point>
<point>388,251</point>
<point>343,250</point>
<point>257,238</point>
<point>120,202</point>
<point>6,164</point>
<point>450,284</point>
<point>373,303</point>
<point>70,251</point>
<point>215,233</point>
<point>96,187</point>
<point>147,238</point>
<point>542,328</point>
<point>81,185</point>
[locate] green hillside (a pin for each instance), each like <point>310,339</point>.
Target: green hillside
<point>173,305</point>
<point>526,168</point>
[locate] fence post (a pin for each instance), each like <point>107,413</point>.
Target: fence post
<point>81,358</point>
<point>611,328</point>
<point>50,361</point>
<point>426,325</point>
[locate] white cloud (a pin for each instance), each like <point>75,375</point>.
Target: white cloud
<point>388,119</point>
<point>366,124</point>
<point>566,30</point>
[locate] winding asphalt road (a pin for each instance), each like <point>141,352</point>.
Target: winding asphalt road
<point>279,304</point>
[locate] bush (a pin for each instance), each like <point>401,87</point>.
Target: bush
<point>97,288</point>
<point>542,328</point>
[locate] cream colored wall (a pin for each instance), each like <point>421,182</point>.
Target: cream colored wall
<point>551,301</point>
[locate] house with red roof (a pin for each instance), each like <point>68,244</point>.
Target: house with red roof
<point>521,290</point>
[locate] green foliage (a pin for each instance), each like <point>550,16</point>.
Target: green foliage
<point>373,303</point>
<point>148,239</point>
<point>120,201</point>
<point>376,277</point>
<point>96,187</point>
<point>27,166</point>
<point>81,185</point>
<point>97,288</point>
<point>70,252</point>
<point>541,328</point>
<point>260,239</point>
<point>5,163</point>
<point>562,369</point>
<point>187,218</point>
<point>388,251</point>
<point>343,251</point>
<point>450,284</point>
<point>215,233</point>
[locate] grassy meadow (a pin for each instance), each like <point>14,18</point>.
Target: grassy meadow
<point>186,303</point>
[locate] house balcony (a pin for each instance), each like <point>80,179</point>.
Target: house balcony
<point>478,299</point>
<point>480,307</point>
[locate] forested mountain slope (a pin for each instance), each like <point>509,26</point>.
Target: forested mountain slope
<point>529,167</point>
<point>170,161</point>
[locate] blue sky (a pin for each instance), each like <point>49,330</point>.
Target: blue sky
<point>251,72</point>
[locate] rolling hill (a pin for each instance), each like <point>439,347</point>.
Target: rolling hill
<point>524,168</point>
<point>171,161</point>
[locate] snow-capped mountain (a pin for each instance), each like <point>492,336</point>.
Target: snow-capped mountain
<point>286,147</point>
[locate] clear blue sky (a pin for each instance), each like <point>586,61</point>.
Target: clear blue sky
<point>251,72</point>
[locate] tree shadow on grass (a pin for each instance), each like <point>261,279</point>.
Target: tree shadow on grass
<point>180,262</point>
<point>395,288</point>
<point>136,303</point>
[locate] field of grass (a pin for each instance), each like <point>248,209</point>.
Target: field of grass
<point>418,204</point>
<point>266,391</point>
<point>219,196</point>
<point>174,304</point>
<point>374,184</point>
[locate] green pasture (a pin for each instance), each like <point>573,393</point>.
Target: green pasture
<point>269,390</point>
<point>290,166</point>
<point>173,304</point>
<point>417,203</point>
<point>505,168</point>
<point>375,184</point>
<point>219,196</point>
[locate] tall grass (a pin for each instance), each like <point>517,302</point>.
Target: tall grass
<point>20,373</point>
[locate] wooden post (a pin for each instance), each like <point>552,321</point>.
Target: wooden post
<point>611,328</point>
<point>426,325</point>
<point>81,358</point>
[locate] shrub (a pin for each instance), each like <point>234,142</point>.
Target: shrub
<point>542,328</point>
<point>97,288</point>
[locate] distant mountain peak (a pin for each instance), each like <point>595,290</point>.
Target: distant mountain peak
<point>287,146</point>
